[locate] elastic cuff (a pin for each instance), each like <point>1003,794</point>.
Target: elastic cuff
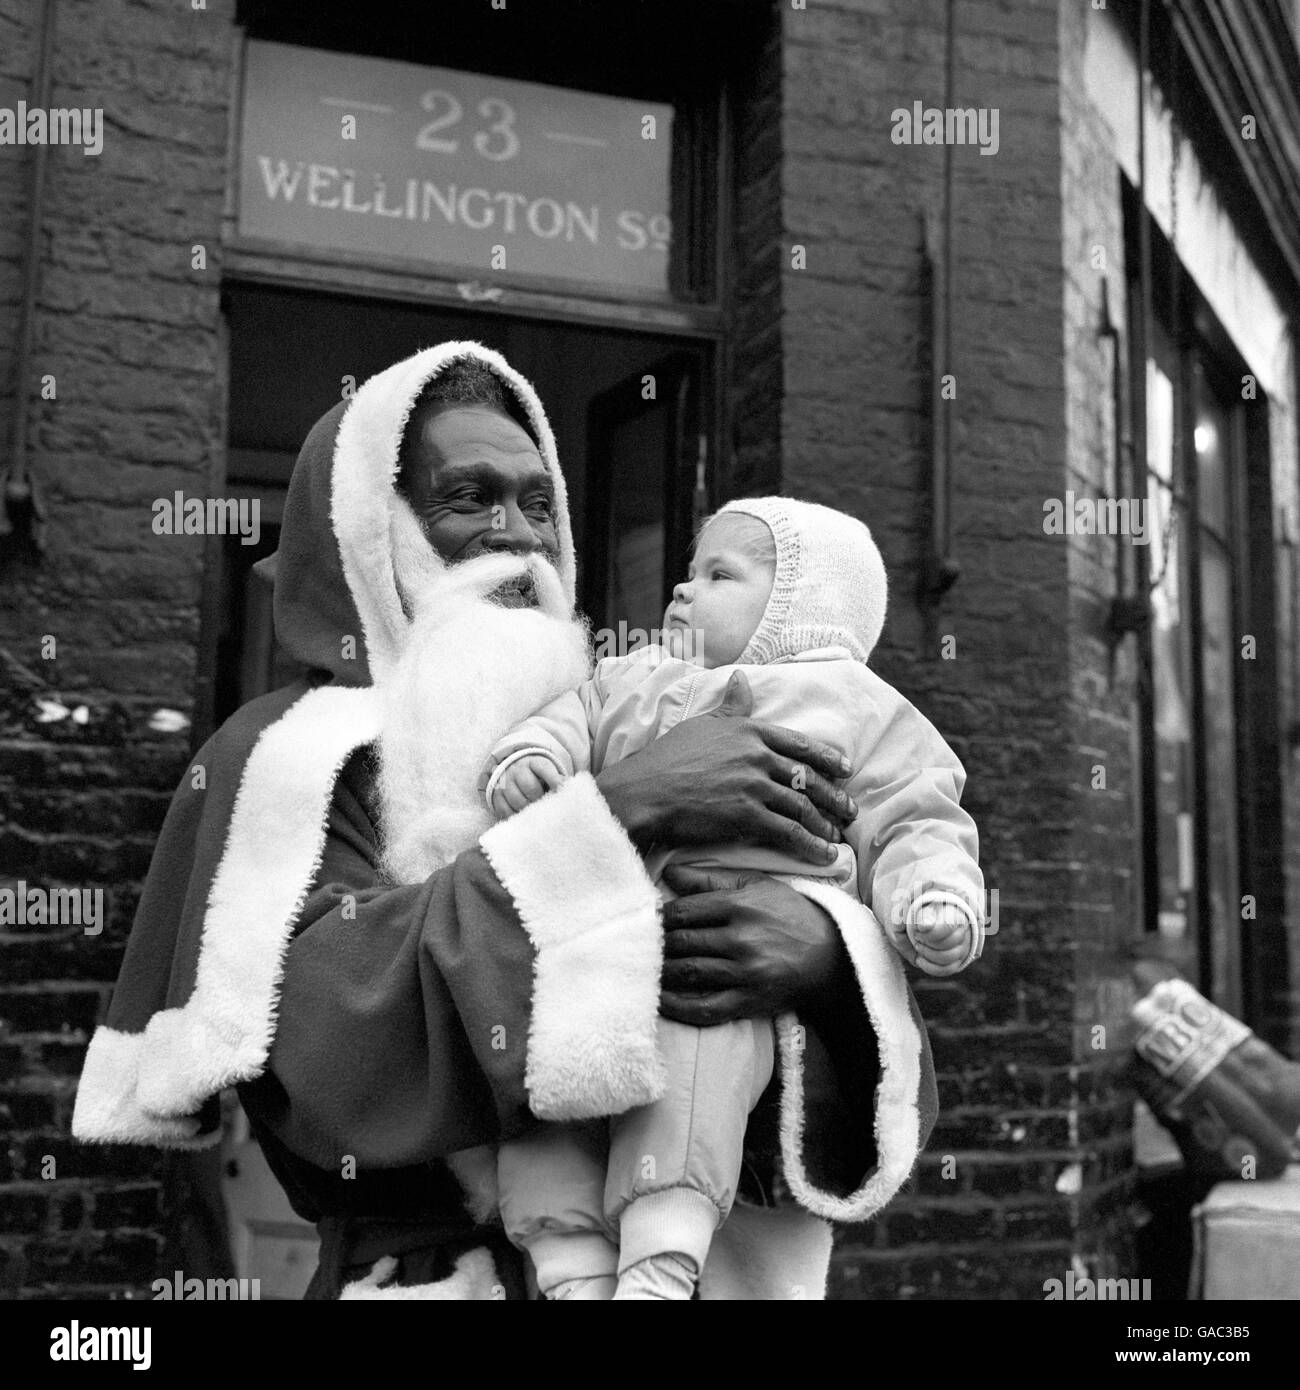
<point>976,944</point>
<point>511,758</point>
<point>942,895</point>
<point>677,1221</point>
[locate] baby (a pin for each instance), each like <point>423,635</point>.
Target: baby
<point>794,594</point>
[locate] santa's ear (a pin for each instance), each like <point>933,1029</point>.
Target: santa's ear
<point>415,562</point>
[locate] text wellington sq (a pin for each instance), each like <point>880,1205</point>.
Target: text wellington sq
<point>417,200</point>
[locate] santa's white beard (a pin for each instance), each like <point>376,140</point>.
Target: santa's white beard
<point>471,671</point>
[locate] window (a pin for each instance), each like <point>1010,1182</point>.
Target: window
<point>1207,816</point>
<point>1195,571</point>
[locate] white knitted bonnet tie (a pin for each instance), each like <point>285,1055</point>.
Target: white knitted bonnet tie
<point>829,589</point>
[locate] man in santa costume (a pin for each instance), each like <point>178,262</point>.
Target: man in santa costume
<point>332,924</point>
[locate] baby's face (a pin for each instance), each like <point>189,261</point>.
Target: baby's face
<point>714,613</point>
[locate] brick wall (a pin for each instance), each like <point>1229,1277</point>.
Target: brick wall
<point>16,59</point>
<point>1030,1164</point>
<point>1104,902</point>
<point>130,334</point>
<point>82,807</point>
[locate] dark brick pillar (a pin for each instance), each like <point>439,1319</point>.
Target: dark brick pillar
<point>1031,1160</point>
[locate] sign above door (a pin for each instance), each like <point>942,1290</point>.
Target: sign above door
<point>491,177</point>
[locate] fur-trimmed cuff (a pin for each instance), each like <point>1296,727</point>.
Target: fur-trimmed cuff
<point>108,1109</point>
<point>897,1120</point>
<point>592,914</point>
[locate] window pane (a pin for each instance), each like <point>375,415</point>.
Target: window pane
<point>1160,425</point>
<point>1211,440</point>
<point>1171,665</point>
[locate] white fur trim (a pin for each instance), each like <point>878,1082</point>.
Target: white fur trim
<point>415,562</point>
<point>107,1110</point>
<point>475,1279</point>
<point>592,915</point>
<point>365,469</point>
<point>897,1121</point>
<point>223,1032</point>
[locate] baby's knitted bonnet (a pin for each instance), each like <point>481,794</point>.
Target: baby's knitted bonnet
<point>829,589</point>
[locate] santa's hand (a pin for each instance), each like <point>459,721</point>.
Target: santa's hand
<point>943,935</point>
<point>743,945</point>
<point>526,780</point>
<point>723,777</point>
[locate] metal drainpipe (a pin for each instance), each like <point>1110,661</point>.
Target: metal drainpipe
<point>1107,328</point>
<point>1131,612</point>
<point>1144,250</point>
<point>941,569</point>
<point>19,489</point>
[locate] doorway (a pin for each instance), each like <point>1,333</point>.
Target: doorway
<point>630,411</point>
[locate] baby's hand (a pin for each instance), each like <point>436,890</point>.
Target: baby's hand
<point>941,933</point>
<point>523,782</point>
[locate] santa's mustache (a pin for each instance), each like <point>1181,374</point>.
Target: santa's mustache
<point>507,579</point>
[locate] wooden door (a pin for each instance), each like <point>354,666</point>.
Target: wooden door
<point>268,1240</point>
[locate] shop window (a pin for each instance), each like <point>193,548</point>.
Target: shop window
<point>1208,807</point>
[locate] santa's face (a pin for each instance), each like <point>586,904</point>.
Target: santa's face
<point>478,486</point>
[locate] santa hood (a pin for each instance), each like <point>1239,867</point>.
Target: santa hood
<point>194,1008</point>
<point>334,569</point>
